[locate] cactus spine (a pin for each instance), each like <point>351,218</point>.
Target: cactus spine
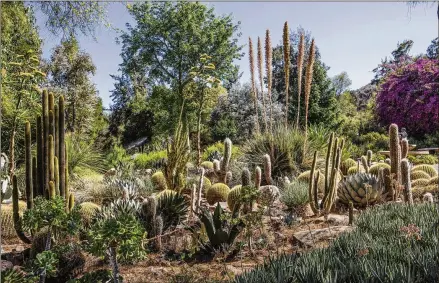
<point>395,158</point>
<point>267,169</point>
<point>405,175</point>
<point>28,157</point>
<point>15,212</point>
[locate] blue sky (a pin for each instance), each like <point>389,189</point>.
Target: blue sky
<point>351,37</point>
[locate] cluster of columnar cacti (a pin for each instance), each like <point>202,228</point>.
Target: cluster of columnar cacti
<point>332,167</point>
<point>221,167</point>
<point>366,161</point>
<point>47,173</point>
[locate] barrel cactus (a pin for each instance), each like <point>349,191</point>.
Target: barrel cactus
<point>217,192</point>
<point>434,181</point>
<point>159,181</point>
<point>207,165</point>
<point>374,169</point>
<point>361,189</point>
<point>268,194</point>
<point>304,177</point>
<point>420,182</point>
<point>233,196</point>
<point>354,170</point>
<point>429,169</point>
<point>87,211</point>
<point>346,164</point>
<point>418,174</point>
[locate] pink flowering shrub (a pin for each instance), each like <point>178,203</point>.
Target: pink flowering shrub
<point>409,96</point>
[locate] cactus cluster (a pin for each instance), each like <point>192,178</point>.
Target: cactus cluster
<point>374,169</point>
<point>47,173</point>
<point>221,167</point>
<point>332,167</point>
<point>305,177</point>
<point>346,164</point>
<point>155,220</point>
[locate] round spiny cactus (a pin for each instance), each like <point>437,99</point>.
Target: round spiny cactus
<point>196,181</point>
<point>354,170</point>
<point>217,192</point>
<point>87,211</point>
<point>434,181</point>
<point>429,169</point>
<point>419,191</point>
<point>208,165</point>
<point>420,182</point>
<point>374,169</point>
<point>418,174</point>
<point>304,177</point>
<point>346,164</point>
<point>159,181</point>
<point>234,196</point>
<point>361,189</point>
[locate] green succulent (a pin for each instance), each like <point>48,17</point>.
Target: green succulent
<point>434,181</point>
<point>346,164</point>
<point>207,165</point>
<point>354,169</point>
<point>234,196</point>
<point>304,177</point>
<point>361,189</point>
<point>420,182</point>
<point>217,192</point>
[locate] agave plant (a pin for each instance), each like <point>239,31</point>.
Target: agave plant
<point>361,189</point>
<point>173,209</point>
<point>220,232</point>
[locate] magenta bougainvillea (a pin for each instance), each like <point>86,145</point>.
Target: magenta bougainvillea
<point>409,96</point>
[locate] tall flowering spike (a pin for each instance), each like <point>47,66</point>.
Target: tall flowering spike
<point>252,77</point>
<point>286,42</point>
<point>268,68</point>
<point>300,57</point>
<point>261,80</point>
<point>308,80</point>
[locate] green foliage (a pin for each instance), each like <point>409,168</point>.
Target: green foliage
<point>117,227</point>
<point>423,159</point>
<point>83,154</point>
<point>96,276</point>
<point>12,275</point>
<point>51,213</point>
<point>285,148</point>
<point>173,209</point>
<point>295,194</point>
<point>391,243</point>
<point>148,160</point>
<point>218,148</point>
<point>46,262</point>
<point>116,155</point>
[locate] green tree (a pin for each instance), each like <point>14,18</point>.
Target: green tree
<point>341,83</point>
<point>322,103</point>
<point>69,70</point>
<point>20,72</point>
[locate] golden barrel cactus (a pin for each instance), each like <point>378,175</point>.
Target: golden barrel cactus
<point>217,193</point>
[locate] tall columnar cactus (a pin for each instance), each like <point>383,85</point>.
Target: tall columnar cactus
<point>28,158</point>
<point>405,176</point>
<point>34,176</point>
<point>395,158</point>
<point>46,142</point>
<point>258,177</point>
<point>267,169</point>
<point>221,168</point>
<point>245,177</point>
<point>404,148</point>
<point>40,159</point>
<point>149,211</point>
<point>51,159</point>
<point>335,148</point>
<point>16,212</point>
<point>56,111</point>
<point>369,158</point>
<point>200,188</point>
<point>56,179</point>
<point>71,202</point>
<point>62,155</point>
<point>365,163</point>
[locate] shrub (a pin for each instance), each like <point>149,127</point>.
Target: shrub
<point>149,160</point>
<point>391,243</point>
<point>295,194</point>
<point>408,96</point>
